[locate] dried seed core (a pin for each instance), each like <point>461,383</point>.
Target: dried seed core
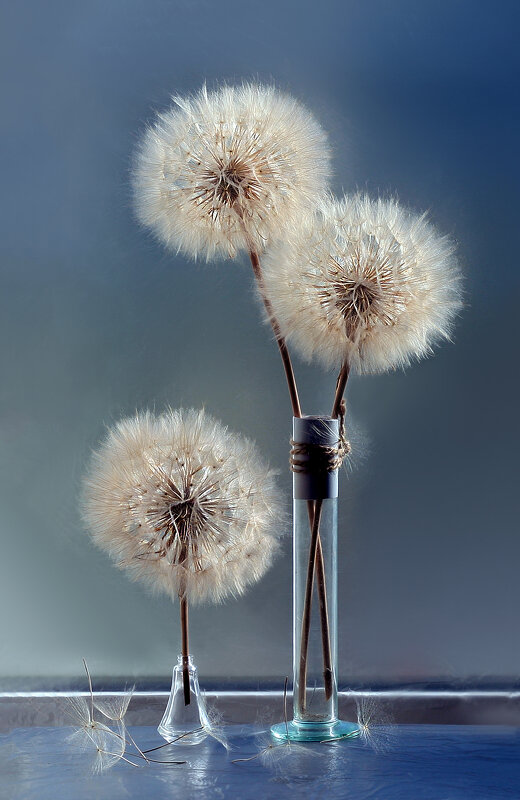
<point>362,288</point>
<point>184,517</point>
<point>355,300</point>
<point>229,183</point>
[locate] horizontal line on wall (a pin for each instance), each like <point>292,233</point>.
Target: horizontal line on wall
<point>474,707</point>
<point>463,694</point>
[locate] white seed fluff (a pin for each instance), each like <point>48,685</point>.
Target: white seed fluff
<point>229,169</point>
<point>184,505</point>
<point>363,281</point>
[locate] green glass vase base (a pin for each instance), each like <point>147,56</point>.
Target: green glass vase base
<point>315,731</point>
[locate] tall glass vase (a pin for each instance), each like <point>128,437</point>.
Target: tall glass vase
<point>314,460</point>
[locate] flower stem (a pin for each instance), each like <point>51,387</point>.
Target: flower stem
<point>280,341</point>
<point>316,558</point>
<point>90,690</point>
<point>324,615</point>
<point>340,389</point>
<point>183,601</point>
<point>316,565</point>
<point>316,553</point>
<point>307,606</point>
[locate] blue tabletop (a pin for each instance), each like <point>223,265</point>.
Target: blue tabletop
<point>409,762</point>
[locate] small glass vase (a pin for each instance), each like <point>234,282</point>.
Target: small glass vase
<point>185,724</point>
<point>315,523</point>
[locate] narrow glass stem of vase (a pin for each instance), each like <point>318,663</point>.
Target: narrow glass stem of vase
<point>315,689</point>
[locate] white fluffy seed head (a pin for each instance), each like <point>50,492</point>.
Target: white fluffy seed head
<point>363,281</point>
<point>184,505</point>
<point>229,169</point>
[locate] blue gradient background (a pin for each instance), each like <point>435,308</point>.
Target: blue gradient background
<point>97,320</point>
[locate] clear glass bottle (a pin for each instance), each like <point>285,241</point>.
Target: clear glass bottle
<point>315,523</point>
<point>180,720</point>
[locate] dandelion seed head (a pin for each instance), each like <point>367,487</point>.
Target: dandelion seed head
<point>229,169</point>
<point>107,744</point>
<point>363,281</point>
<point>184,505</point>
<point>376,727</point>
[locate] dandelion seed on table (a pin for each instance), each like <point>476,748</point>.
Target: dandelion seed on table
<point>376,726</point>
<point>108,744</point>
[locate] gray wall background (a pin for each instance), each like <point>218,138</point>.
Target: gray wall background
<point>97,321</point>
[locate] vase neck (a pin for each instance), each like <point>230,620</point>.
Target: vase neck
<point>180,661</point>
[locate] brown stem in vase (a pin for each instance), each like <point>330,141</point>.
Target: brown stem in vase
<point>183,601</point>
<point>316,565</point>
<point>316,556</point>
<point>324,615</point>
<point>185,645</point>
<point>307,605</point>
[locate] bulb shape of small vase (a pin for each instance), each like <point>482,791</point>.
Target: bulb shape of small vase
<point>315,464</point>
<point>185,724</point>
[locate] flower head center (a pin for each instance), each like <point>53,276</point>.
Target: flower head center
<point>184,516</point>
<point>357,296</point>
<point>183,519</point>
<point>355,300</point>
<point>233,181</point>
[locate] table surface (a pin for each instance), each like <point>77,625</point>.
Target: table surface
<point>409,762</point>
